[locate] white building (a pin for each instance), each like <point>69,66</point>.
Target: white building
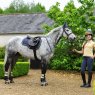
<point>21,25</point>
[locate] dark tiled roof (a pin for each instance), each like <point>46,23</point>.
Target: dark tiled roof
<point>23,23</point>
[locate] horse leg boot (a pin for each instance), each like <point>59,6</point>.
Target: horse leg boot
<point>83,78</point>
<point>6,78</point>
<point>43,77</point>
<point>11,77</point>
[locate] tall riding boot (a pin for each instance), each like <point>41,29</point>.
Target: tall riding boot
<point>89,79</point>
<point>83,78</point>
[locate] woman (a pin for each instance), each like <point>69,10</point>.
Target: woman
<point>88,57</point>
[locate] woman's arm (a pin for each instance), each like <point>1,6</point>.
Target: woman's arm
<point>94,50</point>
<point>77,51</point>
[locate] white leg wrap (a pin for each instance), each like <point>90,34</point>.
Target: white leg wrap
<point>6,73</point>
<point>42,76</point>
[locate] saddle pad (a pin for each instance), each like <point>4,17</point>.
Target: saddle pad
<point>25,41</point>
<point>32,43</point>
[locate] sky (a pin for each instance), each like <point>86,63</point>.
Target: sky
<point>47,3</point>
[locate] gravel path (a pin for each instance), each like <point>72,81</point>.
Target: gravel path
<point>60,83</point>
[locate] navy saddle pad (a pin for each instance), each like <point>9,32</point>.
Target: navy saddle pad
<point>32,43</point>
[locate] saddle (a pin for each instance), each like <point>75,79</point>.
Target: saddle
<point>32,42</point>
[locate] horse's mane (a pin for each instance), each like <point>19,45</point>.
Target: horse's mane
<point>53,30</point>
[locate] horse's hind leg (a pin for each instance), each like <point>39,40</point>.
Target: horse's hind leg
<point>8,61</point>
<point>11,73</point>
<point>14,59</point>
<point>6,75</point>
<point>43,71</point>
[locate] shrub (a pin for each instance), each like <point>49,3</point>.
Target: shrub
<point>64,58</point>
<point>2,52</point>
<point>1,70</point>
<point>20,69</point>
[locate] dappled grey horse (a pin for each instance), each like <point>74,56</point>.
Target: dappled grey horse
<point>44,52</point>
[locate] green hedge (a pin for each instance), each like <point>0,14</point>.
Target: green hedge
<point>2,52</point>
<point>20,69</point>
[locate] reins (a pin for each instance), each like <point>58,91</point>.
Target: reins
<point>48,44</point>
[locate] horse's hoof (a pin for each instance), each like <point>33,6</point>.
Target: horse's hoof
<point>11,81</point>
<point>7,82</point>
<point>41,84</point>
<point>44,83</point>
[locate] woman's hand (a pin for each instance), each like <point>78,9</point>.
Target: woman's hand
<point>74,50</point>
<point>93,56</point>
<point>80,52</point>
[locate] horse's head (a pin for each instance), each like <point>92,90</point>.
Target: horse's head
<point>68,32</point>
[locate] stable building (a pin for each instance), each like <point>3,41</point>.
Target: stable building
<point>22,25</point>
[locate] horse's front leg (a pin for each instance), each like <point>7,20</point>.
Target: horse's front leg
<point>43,71</point>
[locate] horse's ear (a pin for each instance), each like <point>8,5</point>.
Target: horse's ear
<point>65,25</point>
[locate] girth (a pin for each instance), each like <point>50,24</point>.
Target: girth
<point>32,43</point>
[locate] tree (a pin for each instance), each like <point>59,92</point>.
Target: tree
<point>18,6</point>
<point>37,8</point>
<point>1,11</point>
<point>79,19</point>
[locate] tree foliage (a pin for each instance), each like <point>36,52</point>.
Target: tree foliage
<point>1,11</point>
<point>79,20</point>
<point>19,6</point>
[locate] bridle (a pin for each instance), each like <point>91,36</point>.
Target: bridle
<point>68,34</point>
